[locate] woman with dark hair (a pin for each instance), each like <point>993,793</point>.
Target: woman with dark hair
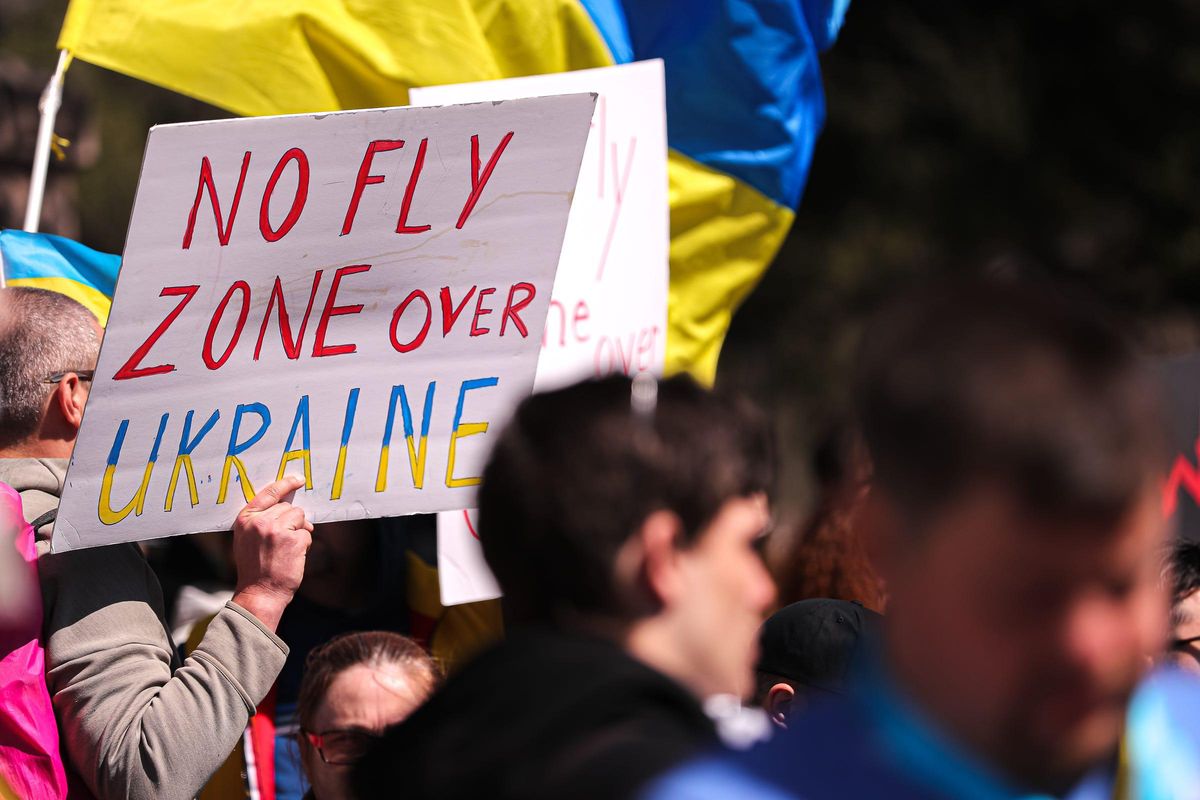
<point>354,687</point>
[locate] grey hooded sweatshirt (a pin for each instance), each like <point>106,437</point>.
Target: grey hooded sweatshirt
<point>135,722</point>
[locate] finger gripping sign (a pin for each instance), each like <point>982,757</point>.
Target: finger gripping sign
<point>355,298</point>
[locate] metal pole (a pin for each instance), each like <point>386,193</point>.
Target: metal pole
<point>48,106</point>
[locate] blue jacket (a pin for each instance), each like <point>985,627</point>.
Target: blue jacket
<point>873,743</point>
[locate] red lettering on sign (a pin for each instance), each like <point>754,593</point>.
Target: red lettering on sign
<point>513,310</point>
<point>479,181</point>
<point>450,312</point>
<point>301,196</point>
<point>480,311</point>
<point>1182,476</point>
<point>620,182</point>
<point>399,312</point>
<point>290,346</point>
<point>319,348</point>
<point>206,352</point>
<point>365,178</point>
<point>402,225</point>
<point>130,368</point>
<point>224,228</point>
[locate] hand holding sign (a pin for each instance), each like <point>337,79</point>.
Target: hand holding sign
<point>271,538</point>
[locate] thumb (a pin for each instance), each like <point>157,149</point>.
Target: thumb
<point>273,493</point>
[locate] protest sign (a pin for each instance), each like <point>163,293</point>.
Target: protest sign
<point>356,297</point>
<point>1181,495</point>
<point>608,312</point>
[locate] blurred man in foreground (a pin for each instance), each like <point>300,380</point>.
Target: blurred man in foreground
<point>623,530</point>
<point>1015,517</point>
<point>136,723</point>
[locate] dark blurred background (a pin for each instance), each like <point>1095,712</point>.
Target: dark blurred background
<point>1057,137</point>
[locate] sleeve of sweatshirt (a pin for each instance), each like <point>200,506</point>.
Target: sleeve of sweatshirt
<point>131,728</point>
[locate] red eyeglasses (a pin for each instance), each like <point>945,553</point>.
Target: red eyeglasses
<point>341,747</point>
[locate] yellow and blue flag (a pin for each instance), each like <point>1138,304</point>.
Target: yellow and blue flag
<point>46,261</point>
<point>744,97</point>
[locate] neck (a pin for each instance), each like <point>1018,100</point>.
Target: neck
<point>649,641</point>
<point>38,448</point>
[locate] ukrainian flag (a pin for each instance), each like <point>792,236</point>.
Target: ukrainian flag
<point>744,96</point>
<point>45,261</point>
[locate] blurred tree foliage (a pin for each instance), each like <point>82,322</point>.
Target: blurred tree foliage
<point>1059,137</point>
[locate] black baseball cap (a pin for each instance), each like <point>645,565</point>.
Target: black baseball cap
<point>814,641</point>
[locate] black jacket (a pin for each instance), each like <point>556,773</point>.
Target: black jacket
<point>542,715</point>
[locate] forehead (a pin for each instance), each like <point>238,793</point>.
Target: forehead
<point>371,698</point>
<point>990,523</point>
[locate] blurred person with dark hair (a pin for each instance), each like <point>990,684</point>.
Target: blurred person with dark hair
<point>1018,465</point>
<point>622,525</point>
<point>136,722</point>
<point>355,686</point>
<point>826,556</point>
<point>1184,649</point>
<point>805,650</point>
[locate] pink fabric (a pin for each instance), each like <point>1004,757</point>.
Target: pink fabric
<point>30,760</point>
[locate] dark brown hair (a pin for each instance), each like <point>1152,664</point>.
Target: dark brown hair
<point>577,471</point>
<point>1021,385</point>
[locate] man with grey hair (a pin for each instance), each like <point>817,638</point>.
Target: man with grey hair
<point>135,721</point>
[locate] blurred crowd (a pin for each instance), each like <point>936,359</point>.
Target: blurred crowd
<point>985,602</point>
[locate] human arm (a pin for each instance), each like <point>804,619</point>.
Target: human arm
<point>132,727</point>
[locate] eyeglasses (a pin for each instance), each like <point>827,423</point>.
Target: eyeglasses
<point>1188,646</point>
<point>341,747</point>
<point>83,374</point>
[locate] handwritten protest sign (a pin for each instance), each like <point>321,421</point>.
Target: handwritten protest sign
<point>356,297</point>
<point>608,312</point>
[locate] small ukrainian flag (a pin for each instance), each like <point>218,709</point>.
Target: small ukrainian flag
<point>46,261</point>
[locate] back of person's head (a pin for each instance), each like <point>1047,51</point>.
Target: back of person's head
<point>578,470</point>
<point>1017,384</point>
<point>613,510</point>
<point>1184,573</point>
<point>1018,452</point>
<point>354,687</point>
<point>807,648</point>
<point>42,333</point>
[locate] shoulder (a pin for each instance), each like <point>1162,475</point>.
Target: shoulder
<point>716,777</point>
<point>1163,735</point>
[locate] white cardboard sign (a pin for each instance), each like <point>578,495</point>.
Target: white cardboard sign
<point>608,312</point>
<point>355,297</point>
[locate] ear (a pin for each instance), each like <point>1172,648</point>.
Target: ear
<point>649,559</point>
<point>307,753</point>
<point>69,398</point>
<point>779,703</point>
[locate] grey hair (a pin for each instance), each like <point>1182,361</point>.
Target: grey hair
<point>41,332</point>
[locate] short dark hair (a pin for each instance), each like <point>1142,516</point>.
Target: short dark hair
<point>1023,385</point>
<point>577,471</point>
<point>41,333</point>
<point>1185,575</point>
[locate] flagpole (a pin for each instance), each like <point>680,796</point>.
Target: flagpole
<point>48,106</point>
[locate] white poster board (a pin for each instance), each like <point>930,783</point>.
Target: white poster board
<point>608,312</point>
<point>355,297</point>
